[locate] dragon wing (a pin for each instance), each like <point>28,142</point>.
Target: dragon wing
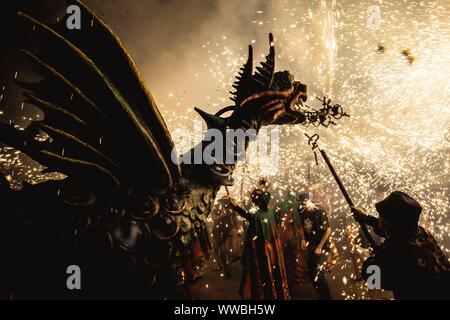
<point>102,121</point>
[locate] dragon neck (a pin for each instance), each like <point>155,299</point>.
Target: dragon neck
<point>214,159</point>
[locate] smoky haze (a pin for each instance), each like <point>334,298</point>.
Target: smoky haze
<point>166,39</point>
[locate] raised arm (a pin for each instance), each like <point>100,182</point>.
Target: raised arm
<point>362,217</point>
<point>242,212</point>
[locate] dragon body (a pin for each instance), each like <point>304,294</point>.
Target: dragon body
<point>130,217</point>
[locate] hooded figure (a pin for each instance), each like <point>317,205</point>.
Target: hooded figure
<point>410,261</point>
<point>264,273</point>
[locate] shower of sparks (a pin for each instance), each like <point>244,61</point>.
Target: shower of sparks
<point>398,135</point>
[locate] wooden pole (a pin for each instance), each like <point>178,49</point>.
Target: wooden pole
<point>347,197</point>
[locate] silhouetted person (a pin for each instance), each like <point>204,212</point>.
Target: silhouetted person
<point>411,262</point>
<point>316,230</point>
<point>224,219</point>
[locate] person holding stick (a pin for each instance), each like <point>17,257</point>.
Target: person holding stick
<point>410,261</point>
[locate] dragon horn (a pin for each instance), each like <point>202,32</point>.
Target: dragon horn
<point>211,120</point>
